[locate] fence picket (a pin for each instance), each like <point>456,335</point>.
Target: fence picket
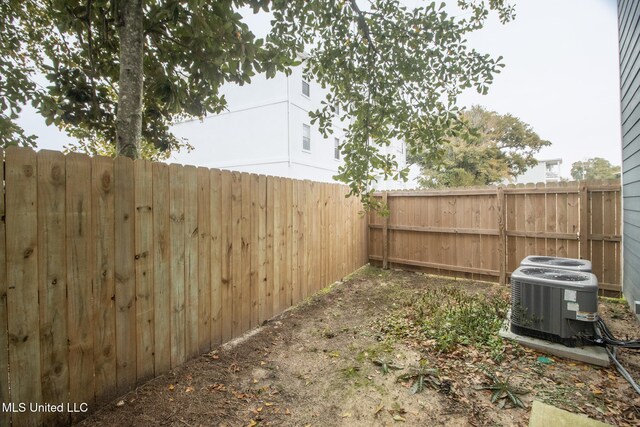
<point>144,281</point>
<point>216,257</point>
<point>104,307</point>
<point>5,416</point>
<point>22,280</point>
<point>54,348</point>
<point>245,254</point>
<point>177,264</point>
<point>161,268</point>
<point>125,274</point>
<point>226,296</point>
<point>191,302</point>
<point>79,277</point>
<point>204,260</point>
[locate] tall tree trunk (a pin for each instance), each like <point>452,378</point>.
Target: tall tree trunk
<point>129,118</point>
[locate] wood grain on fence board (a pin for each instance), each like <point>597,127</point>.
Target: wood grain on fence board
<point>236,255</point>
<point>144,281</point>
<point>161,268</point>
<point>295,224</point>
<point>79,276</point>
<point>104,307</point>
<point>277,244</point>
<point>269,303</point>
<point>191,261</point>
<point>5,416</point>
<point>254,249</point>
<point>226,241</point>
<point>203,232</point>
<point>262,249</point>
<point>22,280</point>
<point>177,264</point>
<point>124,274</point>
<point>217,257</point>
<point>52,289</point>
<point>286,302</point>
<point>245,255</point>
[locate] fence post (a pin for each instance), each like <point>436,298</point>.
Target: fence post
<point>502,243</point>
<point>583,235</point>
<point>385,234</point>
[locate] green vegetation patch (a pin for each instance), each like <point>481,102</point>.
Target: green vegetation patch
<point>451,318</point>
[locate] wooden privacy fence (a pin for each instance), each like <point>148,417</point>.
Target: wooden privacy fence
<point>486,232</point>
<point>114,271</point>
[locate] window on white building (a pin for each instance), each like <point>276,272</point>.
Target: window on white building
<point>305,88</point>
<point>336,149</point>
<point>306,137</point>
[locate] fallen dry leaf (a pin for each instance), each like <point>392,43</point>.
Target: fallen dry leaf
<point>120,403</point>
<point>171,387</point>
<point>398,418</point>
<point>345,415</point>
<point>378,409</point>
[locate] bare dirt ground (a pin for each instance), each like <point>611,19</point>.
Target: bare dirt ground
<point>320,364</point>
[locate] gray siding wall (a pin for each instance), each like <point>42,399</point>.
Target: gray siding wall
<point>629,33</point>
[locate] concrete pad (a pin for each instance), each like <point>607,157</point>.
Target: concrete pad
<point>543,415</point>
<point>593,355</point>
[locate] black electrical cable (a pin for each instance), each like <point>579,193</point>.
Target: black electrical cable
<point>608,338</point>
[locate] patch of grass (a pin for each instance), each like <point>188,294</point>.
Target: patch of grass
<point>376,351</point>
<point>354,375</point>
<point>562,396</point>
<point>451,318</point>
<point>620,300</point>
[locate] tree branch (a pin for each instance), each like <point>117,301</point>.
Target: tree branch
<point>363,26</point>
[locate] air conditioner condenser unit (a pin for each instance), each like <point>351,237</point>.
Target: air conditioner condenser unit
<point>554,305</point>
<point>572,264</point>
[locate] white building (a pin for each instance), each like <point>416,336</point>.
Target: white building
<point>545,171</point>
<point>267,130</point>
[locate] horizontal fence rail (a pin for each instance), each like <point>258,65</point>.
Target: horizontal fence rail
<point>486,232</point>
<point>114,271</point>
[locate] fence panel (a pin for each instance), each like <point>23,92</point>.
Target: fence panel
<point>486,232</point>
<point>114,271</point>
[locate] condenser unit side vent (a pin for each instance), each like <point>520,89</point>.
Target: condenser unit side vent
<point>553,304</point>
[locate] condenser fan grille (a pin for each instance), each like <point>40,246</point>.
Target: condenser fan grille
<point>555,261</point>
<point>544,273</point>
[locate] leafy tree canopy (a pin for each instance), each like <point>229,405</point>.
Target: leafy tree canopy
<point>497,147</point>
<point>395,72</point>
<point>595,168</point>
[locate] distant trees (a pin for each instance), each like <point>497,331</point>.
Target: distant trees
<point>496,148</point>
<point>594,168</point>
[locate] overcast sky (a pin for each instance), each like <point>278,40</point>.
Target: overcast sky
<point>561,77</point>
